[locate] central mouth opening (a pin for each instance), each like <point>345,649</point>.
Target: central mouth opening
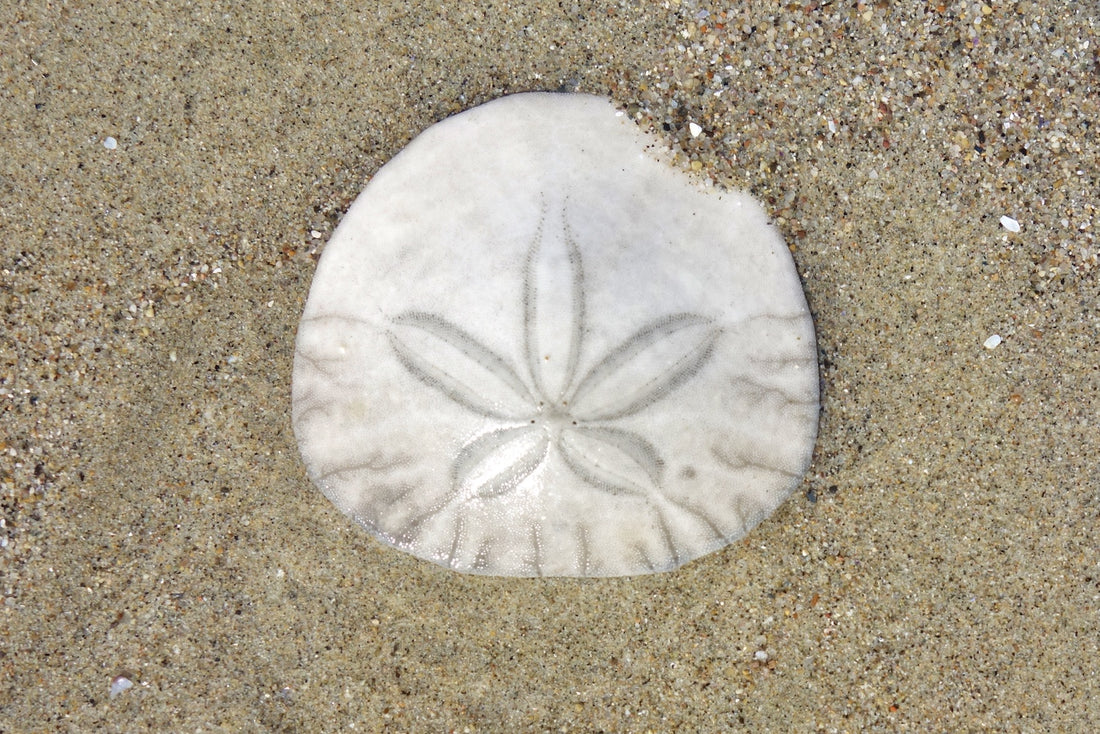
<point>555,417</point>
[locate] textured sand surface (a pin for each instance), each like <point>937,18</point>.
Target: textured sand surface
<point>938,571</point>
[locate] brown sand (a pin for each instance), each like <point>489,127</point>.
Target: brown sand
<point>938,571</point>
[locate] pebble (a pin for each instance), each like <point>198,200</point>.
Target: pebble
<point>993,341</point>
<point>1010,224</point>
<point>695,129</point>
<point>120,684</point>
<point>110,143</point>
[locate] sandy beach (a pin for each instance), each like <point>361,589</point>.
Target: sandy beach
<point>169,176</point>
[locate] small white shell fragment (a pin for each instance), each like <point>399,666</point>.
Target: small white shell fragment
<point>993,341</point>
<point>1010,224</point>
<point>110,143</point>
<point>120,684</point>
<point>695,129</point>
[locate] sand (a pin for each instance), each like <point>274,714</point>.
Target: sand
<point>939,569</point>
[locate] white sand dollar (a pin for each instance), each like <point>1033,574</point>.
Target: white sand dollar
<point>533,348</point>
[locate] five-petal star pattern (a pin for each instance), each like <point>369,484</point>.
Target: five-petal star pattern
<point>574,415</point>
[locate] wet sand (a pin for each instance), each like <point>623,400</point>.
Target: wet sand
<point>939,568</point>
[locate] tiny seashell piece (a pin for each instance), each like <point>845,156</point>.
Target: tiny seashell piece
<point>119,685</point>
<point>533,347</point>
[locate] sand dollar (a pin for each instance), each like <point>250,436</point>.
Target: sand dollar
<point>533,347</point>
